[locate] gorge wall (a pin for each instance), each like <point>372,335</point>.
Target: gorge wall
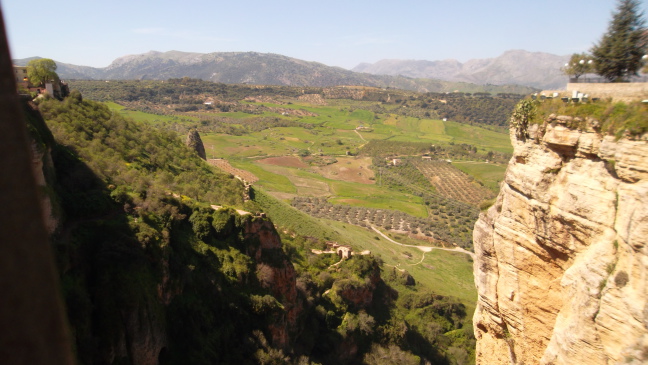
<point>561,262</point>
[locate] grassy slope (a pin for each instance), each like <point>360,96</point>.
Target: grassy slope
<point>482,137</point>
<point>144,117</point>
<point>447,273</point>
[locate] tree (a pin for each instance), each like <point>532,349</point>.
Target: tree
<point>578,65</point>
<point>619,52</point>
<point>41,71</point>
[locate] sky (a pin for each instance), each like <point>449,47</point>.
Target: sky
<point>332,32</point>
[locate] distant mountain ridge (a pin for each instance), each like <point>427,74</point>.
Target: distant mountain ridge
<point>535,69</point>
<point>261,69</point>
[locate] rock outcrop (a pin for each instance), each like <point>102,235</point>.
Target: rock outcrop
<point>561,262</point>
<point>195,143</point>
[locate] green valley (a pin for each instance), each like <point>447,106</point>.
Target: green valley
<point>351,146</point>
<point>378,171</point>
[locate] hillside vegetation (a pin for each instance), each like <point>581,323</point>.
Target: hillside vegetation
<point>612,118</point>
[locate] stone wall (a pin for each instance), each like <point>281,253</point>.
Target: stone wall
<point>617,91</point>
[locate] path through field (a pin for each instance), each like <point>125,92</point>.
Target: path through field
<point>361,137</point>
<point>424,248</point>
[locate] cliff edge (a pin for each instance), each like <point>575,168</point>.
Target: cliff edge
<point>561,262</point>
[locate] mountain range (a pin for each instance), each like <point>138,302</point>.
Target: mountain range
<point>513,71</point>
<point>535,69</point>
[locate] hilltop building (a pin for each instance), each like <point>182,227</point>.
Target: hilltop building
<point>58,90</point>
<point>20,75</point>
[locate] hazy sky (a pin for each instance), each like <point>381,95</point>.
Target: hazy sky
<point>336,33</point>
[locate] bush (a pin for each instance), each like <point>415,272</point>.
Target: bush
<point>486,204</point>
<point>621,279</point>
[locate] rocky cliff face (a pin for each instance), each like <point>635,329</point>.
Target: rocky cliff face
<point>41,142</point>
<point>41,163</point>
<point>277,274</point>
<point>561,262</point>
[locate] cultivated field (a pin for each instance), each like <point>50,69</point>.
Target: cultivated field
<point>285,161</point>
<point>242,174</point>
<point>351,169</point>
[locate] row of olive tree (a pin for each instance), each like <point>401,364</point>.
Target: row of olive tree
<point>621,51</point>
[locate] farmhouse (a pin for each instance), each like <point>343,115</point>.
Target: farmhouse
<point>344,251</point>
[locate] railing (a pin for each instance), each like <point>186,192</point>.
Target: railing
<point>603,80</point>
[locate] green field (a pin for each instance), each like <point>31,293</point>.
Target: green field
<point>304,183</point>
<point>336,137</point>
<point>489,174</point>
<point>372,196</point>
<point>485,138</point>
<point>268,180</point>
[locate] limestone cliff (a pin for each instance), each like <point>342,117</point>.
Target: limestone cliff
<point>42,164</point>
<point>561,262</point>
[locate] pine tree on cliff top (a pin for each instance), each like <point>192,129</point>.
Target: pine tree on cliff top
<point>619,52</point>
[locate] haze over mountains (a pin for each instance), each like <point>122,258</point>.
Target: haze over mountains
<point>521,68</point>
<point>535,69</point>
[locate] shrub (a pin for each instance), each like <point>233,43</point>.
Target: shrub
<point>484,205</point>
<point>621,279</point>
